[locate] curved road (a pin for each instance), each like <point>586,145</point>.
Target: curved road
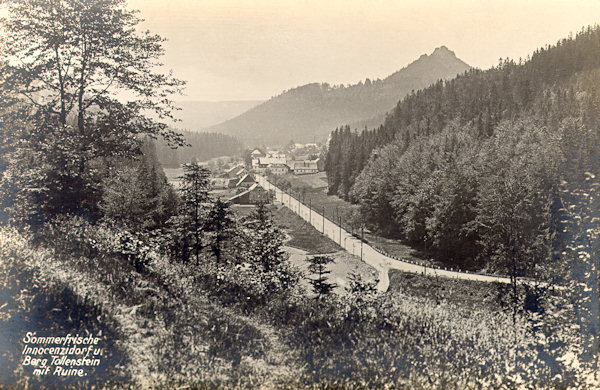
<point>381,262</point>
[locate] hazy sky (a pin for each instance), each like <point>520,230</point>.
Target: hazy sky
<point>242,49</point>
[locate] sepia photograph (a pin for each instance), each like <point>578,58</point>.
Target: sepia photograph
<point>299,194</point>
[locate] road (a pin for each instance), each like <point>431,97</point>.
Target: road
<point>381,262</point>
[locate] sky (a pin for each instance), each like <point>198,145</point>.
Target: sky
<point>253,50</point>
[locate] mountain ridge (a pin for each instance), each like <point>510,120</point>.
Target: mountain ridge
<point>313,110</point>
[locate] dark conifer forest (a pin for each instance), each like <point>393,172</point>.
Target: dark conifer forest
<point>200,147</point>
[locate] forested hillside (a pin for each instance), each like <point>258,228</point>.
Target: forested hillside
<point>310,111</point>
<point>201,147</point>
<point>475,170</point>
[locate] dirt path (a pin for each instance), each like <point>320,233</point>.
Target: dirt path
<point>373,257</point>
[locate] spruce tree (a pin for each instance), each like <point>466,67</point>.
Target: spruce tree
<point>319,281</point>
<point>195,197</point>
<point>219,223</point>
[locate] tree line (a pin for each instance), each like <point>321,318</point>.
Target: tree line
<point>200,147</point>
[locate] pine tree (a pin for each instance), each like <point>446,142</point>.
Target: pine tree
<point>219,223</point>
<point>259,244</point>
<point>262,241</point>
<point>318,268</point>
<point>194,194</point>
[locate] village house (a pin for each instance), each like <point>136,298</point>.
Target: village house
<point>233,171</point>
<point>256,153</point>
<point>260,168</point>
<point>241,172</point>
<point>278,169</point>
<point>304,167</point>
<point>261,164</point>
<point>220,183</point>
<point>246,181</point>
<point>273,158</point>
<point>253,195</point>
<point>277,163</point>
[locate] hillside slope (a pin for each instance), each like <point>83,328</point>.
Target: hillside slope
<point>312,111</point>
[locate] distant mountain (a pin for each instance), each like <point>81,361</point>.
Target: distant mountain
<point>312,111</point>
<point>198,115</point>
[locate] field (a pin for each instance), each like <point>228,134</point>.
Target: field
<point>398,249</point>
<point>305,240</point>
<point>316,180</point>
<point>303,236</point>
<point>491,296</point>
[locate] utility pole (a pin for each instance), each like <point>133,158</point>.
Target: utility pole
<point>323,220</point>
<point>310,211</point>
<point>362,232</point>
<point>340,222</point>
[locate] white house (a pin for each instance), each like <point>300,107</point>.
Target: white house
<point>273,158</point>
<point>304,166</point>
<point>278,169</point>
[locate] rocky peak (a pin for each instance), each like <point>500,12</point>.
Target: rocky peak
<point>443,51</point>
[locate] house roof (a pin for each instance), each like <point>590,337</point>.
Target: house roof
<point>250,189</point>
<point>234,168</point>
<point>244,178</point>
<point>310,164</point>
